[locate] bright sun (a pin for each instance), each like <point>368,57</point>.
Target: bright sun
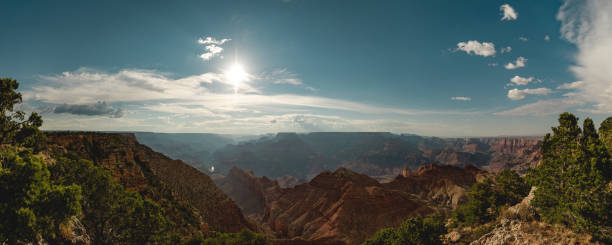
<point>236,75</point>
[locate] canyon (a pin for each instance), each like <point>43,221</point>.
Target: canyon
<point>297,157</point>
<point>377,180</point>
<point>345,207</point>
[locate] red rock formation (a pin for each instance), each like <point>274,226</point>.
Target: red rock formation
<point>141,169</point>
<point>444,186</point>
<point>339,207</point>
<point>344,207</point>
<point>249,192</point>
<point>516,153</point>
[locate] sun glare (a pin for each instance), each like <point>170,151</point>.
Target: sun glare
<point>236,75</point>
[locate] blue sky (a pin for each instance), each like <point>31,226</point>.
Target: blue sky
<point>440,68</point>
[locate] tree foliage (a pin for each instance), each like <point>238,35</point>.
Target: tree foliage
<point>112,214</point>
<point>605,133</point>
<point>414,231</point>
<point>480,206</point>
<point>485,199</point>
<point>573,178</point>
<point>511,187</point>
<point>31,206</point>
<point>14,128</point>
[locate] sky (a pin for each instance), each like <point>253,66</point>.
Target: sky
<point>433,68</point>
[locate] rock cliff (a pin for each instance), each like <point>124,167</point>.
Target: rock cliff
<point>189,197</point>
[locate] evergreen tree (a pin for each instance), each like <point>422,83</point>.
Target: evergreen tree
<point>414,231</point>
<point>13,126</point>
<point>31,206</point>
<point>481,204</point>
<point>573,177</point>
<point>112,214</point>
<point>512,188</point>
<point>605,133</point>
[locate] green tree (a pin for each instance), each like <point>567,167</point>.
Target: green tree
<point>605,133</point>
<point>32,207</point>
<point>512,188</point>
<point>480,207</point>
<point>414,231</point>
<point>574,176</point>
<point>112,214</point>
<point>13,126</point>
<point>383,237</point>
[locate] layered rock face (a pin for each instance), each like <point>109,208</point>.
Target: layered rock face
<point>444,186</point>
<point>339,207</point>
<point>345,207</point>
<point>515,153</point>
<point>185,193</point>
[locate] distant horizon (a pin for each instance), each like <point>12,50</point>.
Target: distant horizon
<point>262,135</point>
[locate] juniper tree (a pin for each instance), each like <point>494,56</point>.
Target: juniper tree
<point>573,177</point>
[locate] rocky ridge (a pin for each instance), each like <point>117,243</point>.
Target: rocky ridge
<point>345,207</point>
<point>189,197</point>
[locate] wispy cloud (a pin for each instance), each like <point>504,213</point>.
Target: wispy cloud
<point>212,46</point>
<point>205,95</point>
<point>520,62</point>
<point>483,49</point>
<point>572,85</point>
<point>519,94</point>
<point>524,39</point>
<point>587,24</point>
<point>461,98</point>
<point>542,108</point>
<point>508,13</point>
<point>283,76</point>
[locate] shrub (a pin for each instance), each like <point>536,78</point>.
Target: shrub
<point>413,231</point>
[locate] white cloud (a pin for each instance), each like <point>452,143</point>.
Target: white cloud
<point>518,80</point>
<point>572,85</point>
<point>524,39</point>
<point>519,94</point>
<point>207,94</point>
<point>520,62</point>
<point>547,38</point>
<point>542,108</point>
<point>86,86</point>
<point>492,64</point>
<point>505,50</point>
<point>213,47</point>
<point>587,24</point>
<point>508,13</point>
<point>212,40</point>
<point>461,98</point>
<point>483,49</point>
